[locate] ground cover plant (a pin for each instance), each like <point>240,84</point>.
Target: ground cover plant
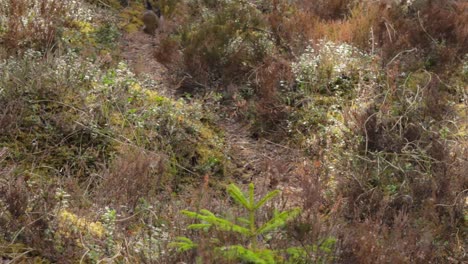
<point>349,117</point>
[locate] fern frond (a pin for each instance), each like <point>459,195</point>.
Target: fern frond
<point>238,196</point>
<point>266,198</point>
<point>183,244</point>
<point>210,219</point>
<point>278,220</point>
<point>243,220</point>
<point>238,252</point>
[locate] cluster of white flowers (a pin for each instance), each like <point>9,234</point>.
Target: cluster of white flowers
<point>124,71</point>
<point>234,45</point>
<point>67,70</point>
<point>74,69</point>
<point>114,79</point>
<point>328,62</point>
<point>12,64</point>
<point>62,197</point>
<point>80,10</point>
<point>305,68</point>
<point>151,244</point>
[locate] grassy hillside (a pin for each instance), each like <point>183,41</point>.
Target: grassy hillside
<point>242,132</point>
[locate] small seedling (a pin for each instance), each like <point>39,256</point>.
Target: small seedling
<point>247,227</point>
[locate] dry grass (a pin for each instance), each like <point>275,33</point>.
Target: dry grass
<point>39,30</point>
<point>382,162</point>
<point>133,176</point>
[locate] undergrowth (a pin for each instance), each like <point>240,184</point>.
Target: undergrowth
<point>370,96</point>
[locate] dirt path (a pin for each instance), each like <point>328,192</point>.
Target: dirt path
<point>267,164</point>
<point>138,50</point>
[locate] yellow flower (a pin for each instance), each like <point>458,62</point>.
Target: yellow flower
<point>85,27</point>
<point>71,223</point>
<point>135,87</point>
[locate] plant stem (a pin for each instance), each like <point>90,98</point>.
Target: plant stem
<point>253,229</point>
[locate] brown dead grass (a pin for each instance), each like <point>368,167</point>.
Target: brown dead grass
<point>134,175</point>
<point>40,31</point>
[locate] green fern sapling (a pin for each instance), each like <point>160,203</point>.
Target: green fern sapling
<point>247,227</point>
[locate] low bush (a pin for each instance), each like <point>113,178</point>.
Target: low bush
<point>38,24</point>
<point>384,141</point>
<point>70,121</point>
<point>227,41</point>
<point>361,105</point>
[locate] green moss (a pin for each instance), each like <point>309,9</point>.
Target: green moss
<point>131,19</point>
<point>16,251</point>
<point>417,80</point>
<point>107,35</point>
<point>210,160</point>
<point>131,28</point>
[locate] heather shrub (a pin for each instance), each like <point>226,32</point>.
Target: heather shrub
<point>328,10</point>
<point>223,40</point>
<point>386,28</point>
<point>355,110</point>
<point>43,99</point>
<point>38,24</point>
<point>266,91</point>
<point>176,125</point>
<point>109,3</point>
<point>404,26</point>
<point>65,119</point>
<point>398,172</point>
<point>127,179</point>
<point>384,143</point>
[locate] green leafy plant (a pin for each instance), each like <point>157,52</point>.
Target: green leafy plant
<point>248,227</point>
<point>322,252</point>
<point>225,39</point>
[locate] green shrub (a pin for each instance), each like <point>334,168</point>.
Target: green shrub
<point>227,40</point>
<point>45,118</point>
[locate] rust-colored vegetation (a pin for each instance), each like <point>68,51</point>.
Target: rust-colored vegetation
<point>355,110</point>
